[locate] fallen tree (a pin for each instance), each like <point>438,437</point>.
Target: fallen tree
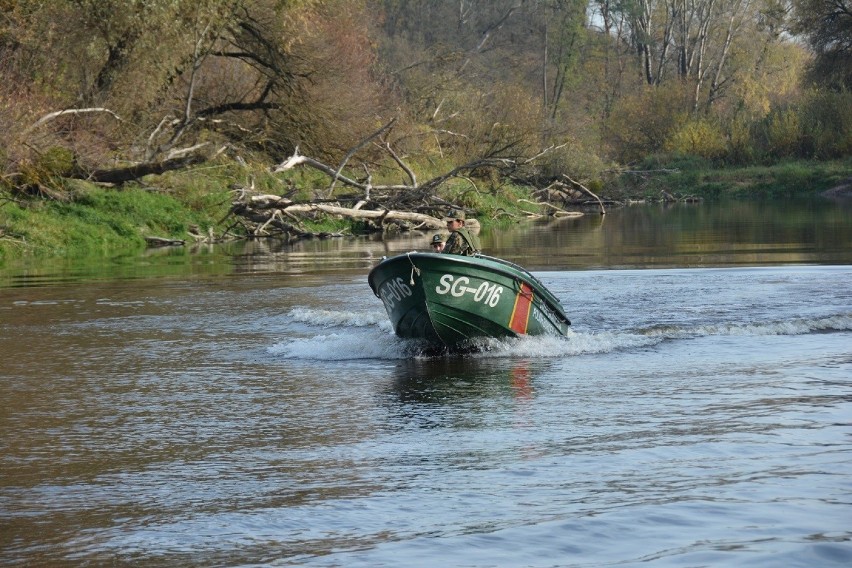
<point>410,204</point>
<point>272,215</point>
<point>138,171</point>
<point>383,207</point>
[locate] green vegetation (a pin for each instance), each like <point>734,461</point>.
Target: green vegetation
<point>102,221</point>
<point>689,176</point>
<point>98,221</point>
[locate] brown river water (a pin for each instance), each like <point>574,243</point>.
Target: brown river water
<point>248,404</point>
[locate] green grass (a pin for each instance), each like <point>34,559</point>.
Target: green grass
<point>100,221</point>
<point>682,177</point>
<point>787,179</point>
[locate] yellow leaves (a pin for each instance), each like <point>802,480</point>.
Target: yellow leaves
<point>698,137</point>
<point>775,80</point>
<point>783,132</point>
<point>643,120</point>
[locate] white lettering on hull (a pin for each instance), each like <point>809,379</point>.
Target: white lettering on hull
<point>392,291</point>
<point>486,293</point>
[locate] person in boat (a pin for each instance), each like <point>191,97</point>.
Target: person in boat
<point>437,243</point>
<point>461,240</point>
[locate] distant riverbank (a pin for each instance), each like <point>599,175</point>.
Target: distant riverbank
<point>193,206</point>
<point>788,179</point>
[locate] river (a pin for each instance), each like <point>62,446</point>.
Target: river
<point>248,405</point>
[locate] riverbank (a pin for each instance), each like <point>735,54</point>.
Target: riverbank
<point>89,220</point>
<point>689,177</point>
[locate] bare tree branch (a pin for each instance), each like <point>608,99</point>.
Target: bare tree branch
<point>401,164</point>
<point>586,190</point>
<point>57,114</point>
<point>297,159</point>
<point>352,151</point>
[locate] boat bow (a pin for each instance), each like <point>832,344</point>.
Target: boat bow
<point>453,300</point>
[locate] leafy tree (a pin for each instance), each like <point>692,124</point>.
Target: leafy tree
<point>108,83</point>
<point>261,75</point>
<point>827,25</point>
<point>826,121</point>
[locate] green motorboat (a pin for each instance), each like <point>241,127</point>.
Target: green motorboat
<point>452,301</point>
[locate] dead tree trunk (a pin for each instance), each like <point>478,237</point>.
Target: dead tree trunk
<point>587,191</point>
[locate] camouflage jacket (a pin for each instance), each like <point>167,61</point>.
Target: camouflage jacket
<point>462,242</point>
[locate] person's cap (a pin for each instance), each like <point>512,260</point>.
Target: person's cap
<point>454,214</point>
<point>437,239</point>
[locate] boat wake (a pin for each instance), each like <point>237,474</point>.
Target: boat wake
<point>331,318</point>
<point>797,326</point>
<point>346,336</point>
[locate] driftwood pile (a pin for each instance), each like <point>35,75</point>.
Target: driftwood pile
<point>410,205</point>
<point>381,208</point>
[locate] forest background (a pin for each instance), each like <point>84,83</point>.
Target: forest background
<point>209,118</point>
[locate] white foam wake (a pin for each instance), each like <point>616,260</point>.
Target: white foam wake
<point>366,344</point>
<point>377,344</point>
<point>369,336</point>
<point>795,326</point>
<point>330,318</point>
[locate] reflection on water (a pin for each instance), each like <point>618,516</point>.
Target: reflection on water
<point>707,234</point>
<point>448,379</point>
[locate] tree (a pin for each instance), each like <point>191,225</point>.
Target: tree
<point>827,25</point>
<point>260,75</point>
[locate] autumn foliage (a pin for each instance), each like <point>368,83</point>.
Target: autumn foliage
<point>602,84</point>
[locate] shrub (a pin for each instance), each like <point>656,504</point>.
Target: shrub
<point>741,147</point>
<point>827,123</point>
<point>783,133</point>
<point>55,161</point>
<point>641,123</point>
<point>698,137</point>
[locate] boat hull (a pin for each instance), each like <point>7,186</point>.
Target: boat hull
<point>453,301</point>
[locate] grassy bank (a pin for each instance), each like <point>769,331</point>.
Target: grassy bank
<point>96,221</point>
<point>694,177</point>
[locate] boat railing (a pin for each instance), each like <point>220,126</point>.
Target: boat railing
<point>517,267</point>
